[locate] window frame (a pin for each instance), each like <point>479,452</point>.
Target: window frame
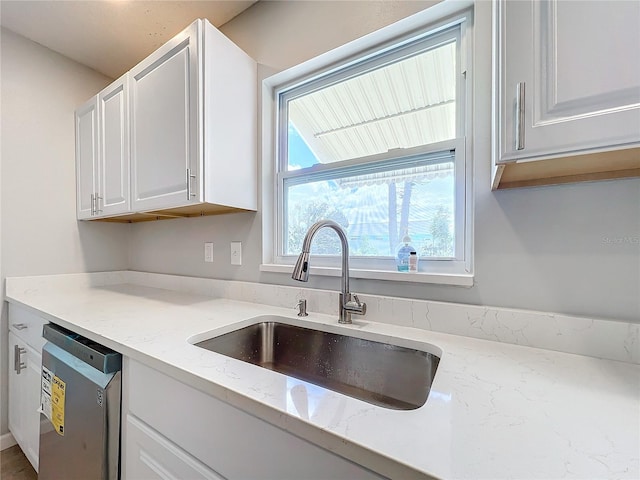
<point>304,79</point>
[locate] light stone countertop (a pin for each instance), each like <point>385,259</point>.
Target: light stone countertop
<point>495,410</point>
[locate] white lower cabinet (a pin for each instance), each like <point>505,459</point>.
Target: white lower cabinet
<point>171,430</point>
<point>25,363</point>
<point>24,397</point>
<point>149,455</point>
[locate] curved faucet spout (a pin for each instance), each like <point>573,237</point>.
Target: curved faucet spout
<point>301,269</point>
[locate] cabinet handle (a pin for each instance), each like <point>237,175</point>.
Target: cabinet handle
<point>93,203</point>
<point>189,177</point>
<point>19,326</point>
<point>18,365</point>
<point>98,198</point>
<point>520,92</point>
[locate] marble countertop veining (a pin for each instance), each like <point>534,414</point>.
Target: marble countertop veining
<point>495,411</point>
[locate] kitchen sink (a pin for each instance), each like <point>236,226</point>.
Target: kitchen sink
<point>380,373</point>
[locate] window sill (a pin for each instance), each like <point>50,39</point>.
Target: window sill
<point>458,279</point>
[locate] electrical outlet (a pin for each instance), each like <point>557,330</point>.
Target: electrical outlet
<point>208,252</point>
<point>236,253</point>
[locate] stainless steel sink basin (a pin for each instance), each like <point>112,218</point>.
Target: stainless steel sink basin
<point>379,373</point>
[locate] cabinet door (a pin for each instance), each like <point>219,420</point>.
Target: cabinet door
<point>165,125</point>
<point>17,389</point>
<point>578,68</point>
<point>32,416</point>
<point>150,455</point>
<point>86,158</point>
<point>113,187</point>
<point>24,396</point>
<point>214,434</point>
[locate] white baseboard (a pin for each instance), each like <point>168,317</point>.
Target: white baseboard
<point>7,441</point>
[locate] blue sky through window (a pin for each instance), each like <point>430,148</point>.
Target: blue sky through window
<point>300,155</point>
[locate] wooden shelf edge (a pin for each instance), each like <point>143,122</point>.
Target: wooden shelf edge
<point>584,177</point>
<point>588,167</point>
<point>200,210</point>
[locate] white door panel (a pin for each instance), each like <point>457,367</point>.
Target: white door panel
<point>165,122</point>
<point>579,64</point>
<point>114,153</point>
<point>86,157</point>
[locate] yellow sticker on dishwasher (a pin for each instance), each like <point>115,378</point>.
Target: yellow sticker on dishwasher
<point>58,389</point>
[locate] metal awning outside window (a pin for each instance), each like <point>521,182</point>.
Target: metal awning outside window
<point>405,104</point>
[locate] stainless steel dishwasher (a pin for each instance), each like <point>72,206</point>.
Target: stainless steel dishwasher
<point>80,398</point>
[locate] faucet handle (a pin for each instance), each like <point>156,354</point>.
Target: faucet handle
<point>355,306</point>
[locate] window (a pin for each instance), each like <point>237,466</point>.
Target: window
<point>378,144</point>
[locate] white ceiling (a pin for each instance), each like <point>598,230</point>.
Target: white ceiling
<point>110,36</point>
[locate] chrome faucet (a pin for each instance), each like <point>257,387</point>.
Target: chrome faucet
<point>301,270</point>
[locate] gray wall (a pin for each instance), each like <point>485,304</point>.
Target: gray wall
<point>548,248</point>
<point>39,232</point>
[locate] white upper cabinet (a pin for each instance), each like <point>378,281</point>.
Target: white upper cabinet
<point>165,124</point>
<point>229,128</point>
<point>568,85</point>
<point>113,185</point>
<point>102,153</point>
<point>181,135</point>
<point>86,120</point>
<point>194,126</point>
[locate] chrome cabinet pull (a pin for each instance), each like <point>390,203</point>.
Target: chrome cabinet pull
<point>519,130</point>
<point>18,364</point>
<point>19,326</point>
<point>93,203</point>
<point>98,198</point>
<point>189,177</point>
